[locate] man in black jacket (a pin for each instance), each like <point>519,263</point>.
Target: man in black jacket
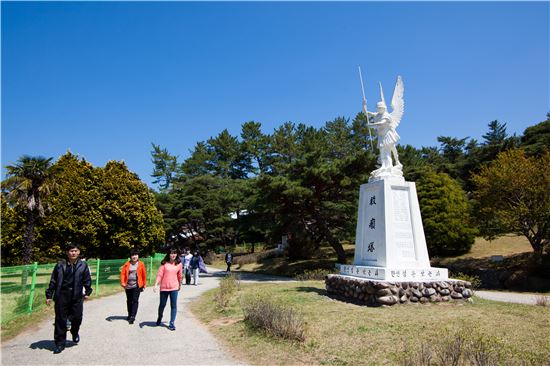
<point>228,260</point>
<point>70,285</point>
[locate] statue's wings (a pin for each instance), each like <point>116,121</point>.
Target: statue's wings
<point>397,102</point>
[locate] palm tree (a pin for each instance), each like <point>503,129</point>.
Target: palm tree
<point>28,182</point>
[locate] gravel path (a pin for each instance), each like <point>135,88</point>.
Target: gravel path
<point>514,297</point>
<point>108,339</point>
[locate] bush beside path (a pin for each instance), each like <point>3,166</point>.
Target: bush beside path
<point>108,339</point>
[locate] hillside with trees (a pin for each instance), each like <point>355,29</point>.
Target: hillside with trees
<point>298,181</point>
<point>303,182</point>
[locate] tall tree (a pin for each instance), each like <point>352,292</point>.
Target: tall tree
<point>445,214</point>
<point>229,158</point>
<point>200,161</point>
<point>452,152</point>
<point>165,167</point>
<point>108,210</point>
<point>28,183</point>
<point>536,139</point>
<point>256,146</point>
<point>495,141</point>
<point>76,215</point>
<point>311,192</point>
<point>514,195</point>
<point>13,224</point>
<point>128,208</point>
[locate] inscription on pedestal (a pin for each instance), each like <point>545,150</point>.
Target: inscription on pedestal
<point>403,232</point>
<point>395,274</point>
<point>373,225</point>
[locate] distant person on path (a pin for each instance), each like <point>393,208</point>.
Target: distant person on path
<point>69,278</point>
<point>195,264</point>
<point>185,259</point>
<point>169,278</point>
<point>228,260</point>
<point>133,278</point>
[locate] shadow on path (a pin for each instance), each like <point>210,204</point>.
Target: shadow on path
<point>49,345</point>
<point>116,317</point>
<point>152,324</point>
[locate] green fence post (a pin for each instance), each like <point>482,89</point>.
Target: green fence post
<point>33,285</point>
<point>150,269</point>
<point>97,276</point>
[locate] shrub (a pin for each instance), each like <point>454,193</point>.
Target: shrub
<point>445,215</point>
<point>209,257</point>
<point>261,312</point>
<point>318,274</point>
<point>543,300</point>
<point>473,279</point>
<point>466,346</point>
<point>228,285</point>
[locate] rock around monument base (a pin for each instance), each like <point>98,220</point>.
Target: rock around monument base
<point>376,293</point>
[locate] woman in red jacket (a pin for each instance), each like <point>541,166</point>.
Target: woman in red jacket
<point>133,279</point>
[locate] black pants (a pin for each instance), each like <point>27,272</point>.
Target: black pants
<point>229,267</point>
<point>132,301</point>
<point>188,276</point>
<point>66,308</point>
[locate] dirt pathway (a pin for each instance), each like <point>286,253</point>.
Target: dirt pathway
<point>108,339</point>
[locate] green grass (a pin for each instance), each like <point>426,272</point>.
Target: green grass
<point>339,333</point>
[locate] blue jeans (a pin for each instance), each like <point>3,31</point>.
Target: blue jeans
<point>173,304</point>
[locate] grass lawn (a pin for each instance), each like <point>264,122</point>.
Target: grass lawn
<point>505,245</point>
<point>339,333</point>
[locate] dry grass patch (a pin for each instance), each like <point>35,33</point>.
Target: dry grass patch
<point>345,334</point>
<point>275,318</point>
<point>506,245</point>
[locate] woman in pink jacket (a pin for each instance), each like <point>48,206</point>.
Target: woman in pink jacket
<point>169,278</point>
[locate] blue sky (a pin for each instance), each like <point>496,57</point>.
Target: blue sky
<point>105,80</point>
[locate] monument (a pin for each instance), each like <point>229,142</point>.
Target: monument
<point>390,246</point>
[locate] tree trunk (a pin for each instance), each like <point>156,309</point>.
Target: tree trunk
<point>537,245</point>
<point>334,243</point>
<point>338,248</point>
<point>28,237</point>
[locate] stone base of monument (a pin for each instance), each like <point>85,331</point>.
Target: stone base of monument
<point>376,293</point>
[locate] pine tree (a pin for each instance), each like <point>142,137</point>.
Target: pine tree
<point>445,215</point>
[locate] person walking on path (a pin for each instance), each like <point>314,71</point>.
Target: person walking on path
<point>169,278</point>
<point>194,264</point>
<point>70,285</point>
<point>133,278</point>
<point>185,259</point>
<point>228,260</point>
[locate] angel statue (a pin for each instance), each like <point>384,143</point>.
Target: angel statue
<point>385,124</point>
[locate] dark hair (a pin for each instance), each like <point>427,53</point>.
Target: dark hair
<point>134,252</point>
<point>70,246</point>
<point>167,256</point>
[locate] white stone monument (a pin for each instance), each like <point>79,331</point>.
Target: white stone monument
<point>390,243</point>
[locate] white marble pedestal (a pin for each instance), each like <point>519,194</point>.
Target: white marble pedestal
<point>390,243</point>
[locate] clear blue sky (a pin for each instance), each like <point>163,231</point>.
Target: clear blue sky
<point>105,80</point>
